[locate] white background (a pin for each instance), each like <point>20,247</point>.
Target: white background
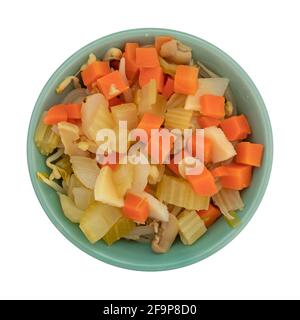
<point>36,261</point>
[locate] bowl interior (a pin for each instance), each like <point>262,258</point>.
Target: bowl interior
<point>135,255</point>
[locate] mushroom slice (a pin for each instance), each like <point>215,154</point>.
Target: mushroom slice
<point>176,52</point>
<point>113,54</point>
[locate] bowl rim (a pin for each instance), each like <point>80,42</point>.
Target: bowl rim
<point>222,242</point>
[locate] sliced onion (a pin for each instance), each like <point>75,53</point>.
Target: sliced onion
<point>140,176</point>
<point>157,210</point>
<point>128,96</point>
<point>76,96</point>
<point>83,197</point>
<point>86,170</point>
<point>122,70</point>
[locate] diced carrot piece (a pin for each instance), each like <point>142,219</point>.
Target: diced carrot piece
<point>55,114</point>
<point>186,79</point>
<point>210,215</point>
<point>234,176</point>
<point>163,142</point>
<point>239,181</point>
<point>112,85</point>
<point>130,50</point>
<point>115,101</point>
<point>147,58</point>
<point>73,110</point>
<point>150,121</point>
<point>205,122</point>
<point>207,152</point>
<point>236,127</point>
<point>131,67</point>
<point>168,89</point>
<point>212,106</point>
<point>160,40</point>
<point>147,74</point>
<point>94,71</point>
<point>249,153</point>
<point>220,171</point>
<point>135,208</point>
<point>203,184</point>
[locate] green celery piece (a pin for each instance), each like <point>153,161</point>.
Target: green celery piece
<point>120,229</point>
<point>235,222</point>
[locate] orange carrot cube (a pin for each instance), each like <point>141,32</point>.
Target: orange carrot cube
<point>94,71</point>
<point>160,40</point>
<point>212,106</point>
<point>135,208</point>
<point>168,89</point>
<point>236,127</point>
<point>147,58</point>
<point>112,85</point>
<point>73,110</point>
<point>147,74</point>
<point>203,184</point>
<point>55,114</point>
<point>249,153</point>
<point>210,215</point>
<point>205,122</point>
<point>150,121</point>
<point>186,79</point>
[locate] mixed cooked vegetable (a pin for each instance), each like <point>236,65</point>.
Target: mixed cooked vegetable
<point>157,86</point>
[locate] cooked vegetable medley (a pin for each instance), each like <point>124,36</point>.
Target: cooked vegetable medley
<point>117,184</point>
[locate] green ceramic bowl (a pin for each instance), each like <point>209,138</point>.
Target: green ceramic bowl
<point>139,256</point>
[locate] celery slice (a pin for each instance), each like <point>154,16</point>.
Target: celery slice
<point>160,106</point>
<point>191,227</point>
<point>45,138</point>
<point>178,118</point>
<point>97,219</point>
<point>228,200</point>
<point>179,192</point>
<point>235,222</point>
<point>119,230</point>
<point>176,100</point>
